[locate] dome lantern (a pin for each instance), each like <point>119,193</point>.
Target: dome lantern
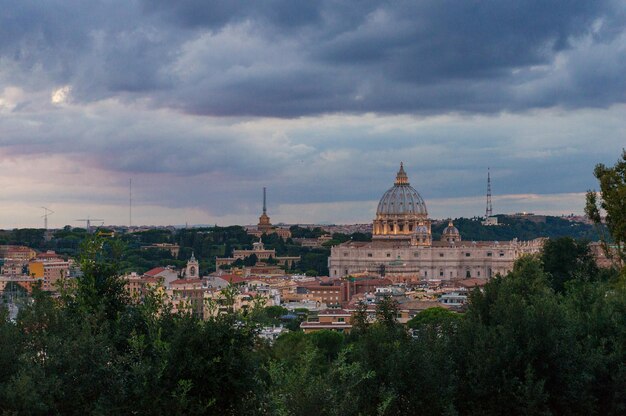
<point>401,177</point>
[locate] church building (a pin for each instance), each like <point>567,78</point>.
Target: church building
<point>265,226</point>
<point>404,249</point>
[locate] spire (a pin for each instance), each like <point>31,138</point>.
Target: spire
<point>193,257</point>
<point>489,210</point>
<point>264,206</point>
<point>401,178</point>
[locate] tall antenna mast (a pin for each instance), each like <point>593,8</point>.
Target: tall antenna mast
<point>264,205</point>
<point>489,210</point>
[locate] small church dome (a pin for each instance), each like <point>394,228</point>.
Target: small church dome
<point>450,233</point>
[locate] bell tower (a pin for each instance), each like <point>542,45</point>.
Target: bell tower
<point>193,268</point>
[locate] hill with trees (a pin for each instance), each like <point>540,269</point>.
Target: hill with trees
<point>510,227</point>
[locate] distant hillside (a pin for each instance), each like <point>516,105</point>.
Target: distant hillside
<point>516,227</point>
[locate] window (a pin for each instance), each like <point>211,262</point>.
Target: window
<point>441,272</point>
<point>468,274</point>
<point>478,274</point>
<point>440,254</point>
<point>502,254</point>
<point>341,319</point>
<point>416,254</point>
<point>345,254</point>
<point>369,254</point>
<point>489,254</point>
<point>467,254</point>
<point>388,254</point>
<point>425,273</point>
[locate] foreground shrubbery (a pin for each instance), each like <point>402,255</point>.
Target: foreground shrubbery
<point>521,348</point>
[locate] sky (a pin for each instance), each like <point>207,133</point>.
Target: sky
<point>202,104</point>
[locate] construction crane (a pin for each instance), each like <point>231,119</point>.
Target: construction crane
<point>88,222</point>
<point>46,213</point>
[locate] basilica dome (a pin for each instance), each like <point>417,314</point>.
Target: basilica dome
<point>402,198</point>
<point>399,211</point>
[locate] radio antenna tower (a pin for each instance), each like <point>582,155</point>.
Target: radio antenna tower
<point>489,210</point>
<point>264,205</point>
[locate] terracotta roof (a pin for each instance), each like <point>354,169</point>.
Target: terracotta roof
<point>420,305</point>
<point>233,278</point>
<point>317,283</point>
<point>372,282</point>
<point>323,287</point>
<point>468,283</point>
<point>155,271</point>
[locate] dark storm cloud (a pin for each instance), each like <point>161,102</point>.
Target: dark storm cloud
<point>216,14</point>
<point>290,58</point>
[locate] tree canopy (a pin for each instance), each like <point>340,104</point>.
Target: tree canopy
<point>522,347</point>
<point>613,203</point>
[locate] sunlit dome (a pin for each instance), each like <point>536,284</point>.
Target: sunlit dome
<point>402,198</point>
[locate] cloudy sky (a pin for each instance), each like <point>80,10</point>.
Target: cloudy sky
<point>204,103</point>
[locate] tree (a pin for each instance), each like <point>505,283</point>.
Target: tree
<point>613,202</point>
<point>250,260</point>
<point>359,318</point>
<point>565,259</point>
<point>275,311</point>
<point>328,342</point>
<point>387,311</point>
<point>433,317</point>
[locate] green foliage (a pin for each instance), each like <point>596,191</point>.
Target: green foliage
<point>434,317</point>
<point>360,318</point>
<point>565,259</point>
<point>300,232</point>
<point>329,343</point>
<point>92,351</point>
<point>250,260</point>
<point>31,237</point>
<point>520,348</point>
<point>613,202</point>
<point>508,228</point>
<point>387,311</point>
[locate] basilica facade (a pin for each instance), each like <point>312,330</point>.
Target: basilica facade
<point>404,249</point>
